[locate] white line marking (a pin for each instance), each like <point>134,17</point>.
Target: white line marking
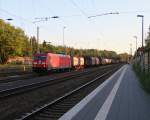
<point>103,112</point>
<point>77,108</point>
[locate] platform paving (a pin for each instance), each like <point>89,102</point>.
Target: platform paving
<point>120,98</point>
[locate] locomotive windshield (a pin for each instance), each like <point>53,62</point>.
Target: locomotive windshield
<point>39,57</point>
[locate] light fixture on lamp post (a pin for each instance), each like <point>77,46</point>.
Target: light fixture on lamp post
<point>142,16</point>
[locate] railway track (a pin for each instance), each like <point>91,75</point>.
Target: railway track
<point>14,72</point>
<point>17,77</point>
<point>33,86</point>
<point>55,109</point>
<point>13,76</point>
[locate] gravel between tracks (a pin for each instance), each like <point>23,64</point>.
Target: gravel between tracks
<point>13,107</point>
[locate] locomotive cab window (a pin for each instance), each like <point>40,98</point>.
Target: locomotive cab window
<point>39,57</point>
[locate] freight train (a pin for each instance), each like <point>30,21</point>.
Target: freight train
<point>57,62</point>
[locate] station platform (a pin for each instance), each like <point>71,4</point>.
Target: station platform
<point>120,97</point>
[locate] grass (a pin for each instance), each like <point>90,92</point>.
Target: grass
<point>12,67</point>
<point>144,77</point>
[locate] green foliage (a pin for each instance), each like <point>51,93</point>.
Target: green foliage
<point>124,57</point>
<point>47,47</point>
<point>33,44</point>
<point>13,41</point>
<point>144,77</point>
<point>147,40</point>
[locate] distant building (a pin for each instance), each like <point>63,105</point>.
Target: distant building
<point>19,60</point>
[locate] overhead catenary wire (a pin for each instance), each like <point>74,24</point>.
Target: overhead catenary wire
<point>136,11</point>
<point>104,14</point>
<point>75,15</point>
<point>54,13</point>
<point>19,17</point>
<point>82,11</point>
<point>121,12</point>
<point>14,15</point>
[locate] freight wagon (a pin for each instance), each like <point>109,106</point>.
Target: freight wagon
<point>92,61</point>
<point>77,62</point>
<point>52,61</point>
<point>87,61</point>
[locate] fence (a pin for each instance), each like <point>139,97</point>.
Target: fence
<point>146,61</point>
<point>20,60</point>
<point>143,58</point>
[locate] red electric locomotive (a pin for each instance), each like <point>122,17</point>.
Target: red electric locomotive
<point>51,61</point>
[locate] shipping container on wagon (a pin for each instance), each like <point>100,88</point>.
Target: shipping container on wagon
<point>75,62</point>
<point>100,60</point>
<point>81,60</point>
<point>97,61</point>
<point>58,61</point>
<point>93,61</point>
<point>87,61</point>
<point>104,61</point>
<point>109,61</point>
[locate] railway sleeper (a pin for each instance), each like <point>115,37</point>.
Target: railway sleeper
<point>71,102</point>
<point>64,105</point>
<point>41,118</point>
<point>54,111</point>
<point>51,115</point>
<point>57,109</point>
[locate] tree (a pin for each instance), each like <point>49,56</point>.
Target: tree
<point>33,43</point>
<point>147,40</point>
<point>13,41</point>
<point>112,54</point>
<point>124,57</point>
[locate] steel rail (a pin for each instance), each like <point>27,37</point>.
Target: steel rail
<point>29,116</point>
<point>25,88</point>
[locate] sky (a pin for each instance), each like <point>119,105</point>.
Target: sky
<point>107,32</point>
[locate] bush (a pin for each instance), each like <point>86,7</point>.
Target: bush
<point>16,63</point>
<point>143,77</point>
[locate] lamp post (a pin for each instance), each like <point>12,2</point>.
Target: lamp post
<point>64,39</point>
<point>142,55</point>
<point>131,49</point>
<point>38,51</point>
<point>40,20</point>
<point>142,17</point>
<point>136,42</point>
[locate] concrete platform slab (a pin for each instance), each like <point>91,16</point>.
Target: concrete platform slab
<point>119,98</point>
